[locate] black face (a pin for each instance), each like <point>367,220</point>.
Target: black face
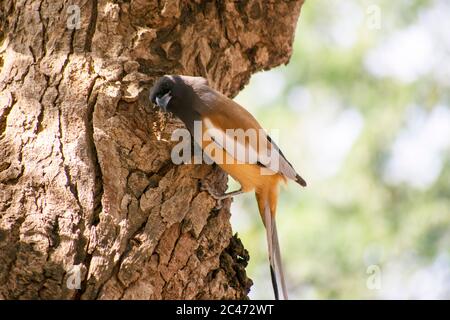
<point>161,92</point>
<point>173,94</point>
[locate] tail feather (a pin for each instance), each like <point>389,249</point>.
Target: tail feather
<point>273,277</point>
<point>278,262</point>
<point>300,180</point>
<point>276,268</point>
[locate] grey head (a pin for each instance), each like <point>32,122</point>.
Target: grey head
<point>176,94</point>
<point>161,92</point>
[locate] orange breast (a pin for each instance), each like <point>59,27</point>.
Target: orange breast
<point>250,176</point>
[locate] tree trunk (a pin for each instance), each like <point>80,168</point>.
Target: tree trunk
<point>91,206</point>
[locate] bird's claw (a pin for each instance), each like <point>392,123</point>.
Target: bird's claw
<point>219,198</point>
<point>207,188</point>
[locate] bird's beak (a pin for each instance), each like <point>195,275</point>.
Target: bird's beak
<point>163,101</point>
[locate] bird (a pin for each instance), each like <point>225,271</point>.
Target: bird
<point>256,164</point>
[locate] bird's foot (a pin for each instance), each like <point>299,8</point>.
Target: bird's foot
<point>218,197</point>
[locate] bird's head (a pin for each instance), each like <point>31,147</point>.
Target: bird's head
<point>177,93</point>
<point>163,92</point>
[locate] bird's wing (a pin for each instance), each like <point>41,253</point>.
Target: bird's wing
<point>246,146</point>
<point>194,82</point>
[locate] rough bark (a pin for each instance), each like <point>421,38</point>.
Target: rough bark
<point>86,179</point>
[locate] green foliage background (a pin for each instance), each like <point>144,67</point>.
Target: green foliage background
<point>363,114</point>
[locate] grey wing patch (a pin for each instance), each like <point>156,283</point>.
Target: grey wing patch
<point>195,81</point>
<point>284,166</point>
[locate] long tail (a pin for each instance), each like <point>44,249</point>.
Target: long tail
<point>276,267</point>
